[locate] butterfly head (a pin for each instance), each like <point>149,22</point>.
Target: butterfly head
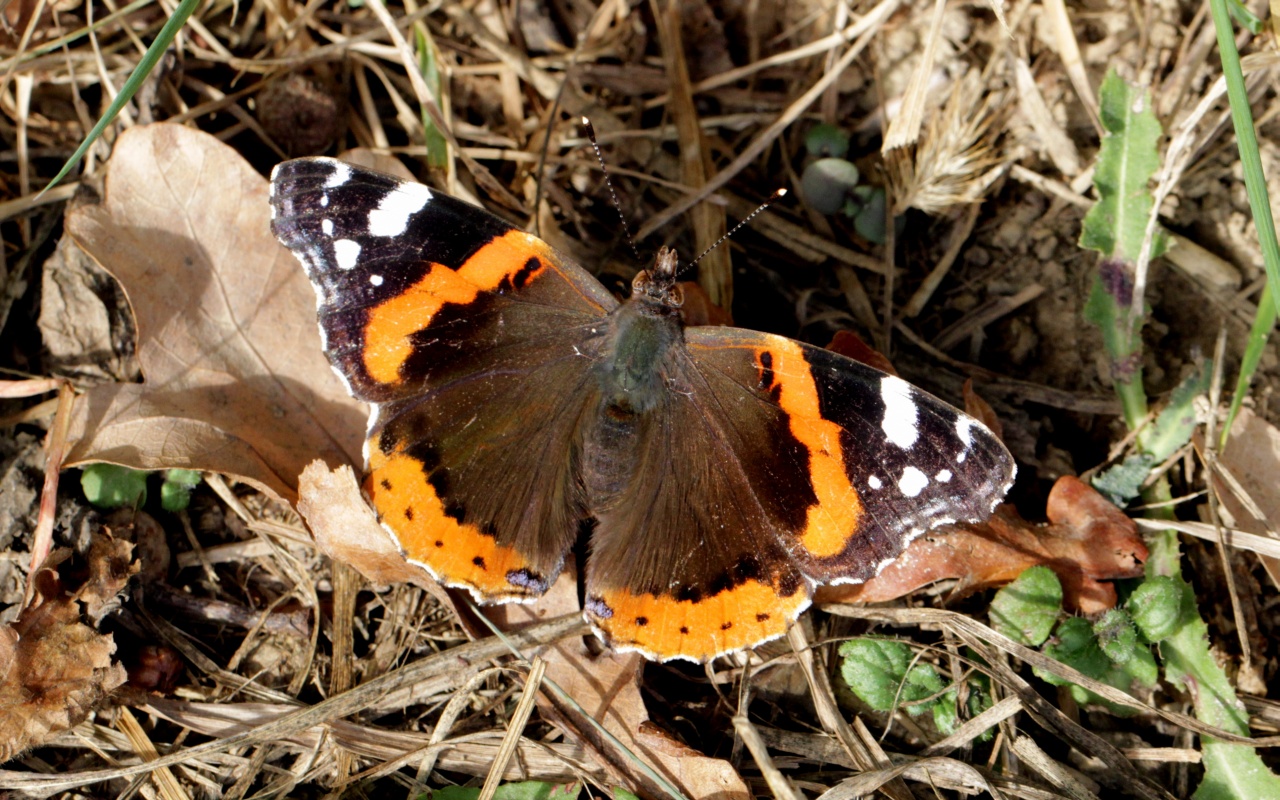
<point>658,285</point>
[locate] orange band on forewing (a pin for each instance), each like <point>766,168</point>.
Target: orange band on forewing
<point>834,518</point>
<point>665,627</point>
<point>390,325</point>
<point>456,553</point>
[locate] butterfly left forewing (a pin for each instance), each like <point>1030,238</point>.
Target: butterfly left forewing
<point>470,340</point>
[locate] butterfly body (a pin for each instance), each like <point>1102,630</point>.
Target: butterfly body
<point>727,472</point>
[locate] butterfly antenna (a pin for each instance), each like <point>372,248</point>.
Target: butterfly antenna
<point>773,198</point>
<point>595,145</point>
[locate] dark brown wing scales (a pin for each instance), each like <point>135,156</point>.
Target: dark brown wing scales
<point>685,563</point>
<point>468,337</point>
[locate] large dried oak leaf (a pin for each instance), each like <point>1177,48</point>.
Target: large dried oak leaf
<point>235,381</point>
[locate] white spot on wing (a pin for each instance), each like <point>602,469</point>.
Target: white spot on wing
<point>391,216</point>
<point>376,280</point>
<point>326,227</point>
<point>347,253</point>
<point>340,175</point>
<point>943,476</point>
<point>324,201</point>
<point>874,482</point>
<point>964,429</point>
<point>900,412</point>
<point>912,482</point>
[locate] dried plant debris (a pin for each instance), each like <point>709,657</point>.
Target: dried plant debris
<point>55,668</point>
<point>955,161</point>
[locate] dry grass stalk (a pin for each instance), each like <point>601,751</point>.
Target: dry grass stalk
<point>955,161</point>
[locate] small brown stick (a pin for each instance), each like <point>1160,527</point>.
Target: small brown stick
<point>959,235</point>
<point>55,450</point>
<point>781,788</point>
<point>514,730</point>
<point>860,749</point>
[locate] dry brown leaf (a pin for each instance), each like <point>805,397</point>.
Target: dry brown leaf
<point>346,529</point>
<point>1252,459</point>
<point>1086,542</point>
<point>54,668</point>
<point>607,687</point>
<point>851,345</point>
<point>235,381</point>
<point>698,308</point>
<point>978,408</point>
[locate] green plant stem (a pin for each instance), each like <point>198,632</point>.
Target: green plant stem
<point>1133,399</point>
<point>1231,770</point>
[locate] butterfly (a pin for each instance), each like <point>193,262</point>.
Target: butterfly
<point>720,474</point>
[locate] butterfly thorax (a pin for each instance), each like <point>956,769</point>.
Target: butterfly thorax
<point>643,331</point>
<point>636,368</point>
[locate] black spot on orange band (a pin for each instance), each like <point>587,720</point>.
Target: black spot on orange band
<point>665,626</point>
<point>433,532</point>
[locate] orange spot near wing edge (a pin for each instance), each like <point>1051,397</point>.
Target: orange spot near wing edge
<point>666,628</point>
<point>456,554</point>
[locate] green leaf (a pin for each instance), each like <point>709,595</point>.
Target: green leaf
<point>1157,607</point>
<point>826,184</point>
<point>869,220</point>
<point>826,141</point>
<point>1077,645</point>
<point>1177,421</point>
<point>1026,609</point>
<point>1127,161</point>
<point>1123,482</point>
<point>1247,19</point>
<point>175,492</point>
<point>1109,307</point>
<point>112,486</point>
<point>1117,636</point>
<point>436,143</point>
<point>876,668</point>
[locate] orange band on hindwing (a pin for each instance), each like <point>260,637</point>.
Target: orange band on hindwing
<point>456,553</point>
<point>665,627</point>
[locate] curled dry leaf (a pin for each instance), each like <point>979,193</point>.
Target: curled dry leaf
<point>1087,541</point>
<point>346,529</point>
<point>54,668</point>
<point>978,408</point>
<point>1251,500</point>
<point>235,381</point>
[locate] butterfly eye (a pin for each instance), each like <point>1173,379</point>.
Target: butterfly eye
<point>675,295</point>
